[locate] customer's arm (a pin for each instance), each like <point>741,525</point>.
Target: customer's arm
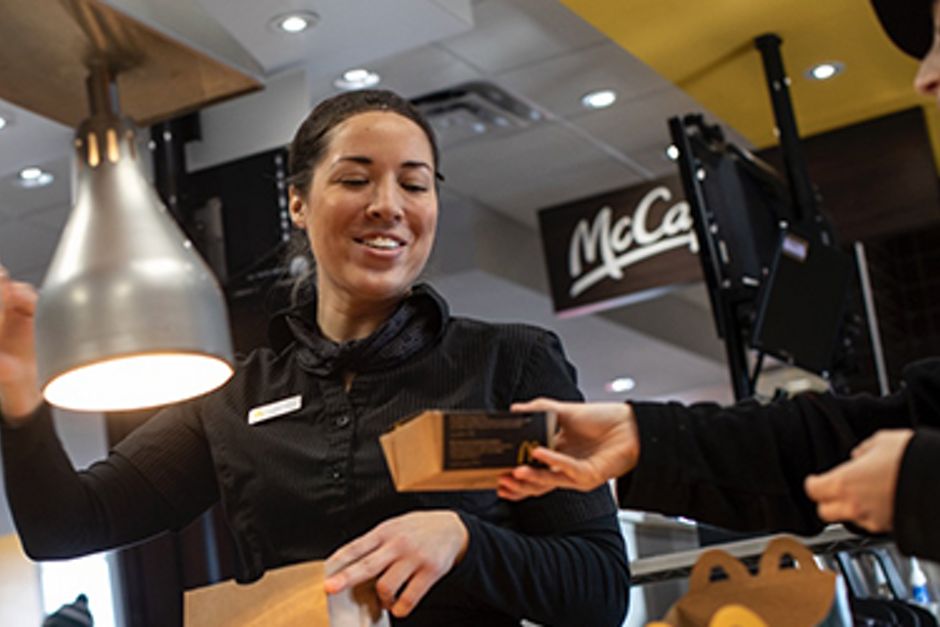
<point>741,466</point>
<point>916,506</point>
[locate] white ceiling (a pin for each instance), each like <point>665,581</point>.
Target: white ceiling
<point>488,259</point>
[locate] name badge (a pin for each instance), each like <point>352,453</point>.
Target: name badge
<point>273,410</point>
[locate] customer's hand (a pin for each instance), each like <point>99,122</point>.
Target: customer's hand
<point>596,442</point>
<point>19,388</point>
<point>862,489</point>
<point>406,555</point>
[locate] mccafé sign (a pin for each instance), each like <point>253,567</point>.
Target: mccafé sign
<point>608,250</point>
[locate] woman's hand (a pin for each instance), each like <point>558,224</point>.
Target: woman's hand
<point>596,442</point>
<point>862,489</point>
<point>406,555</point>
<point>19,387</point>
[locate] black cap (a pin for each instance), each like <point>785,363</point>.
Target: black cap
<point>73,614</point>
<point>909,24</point>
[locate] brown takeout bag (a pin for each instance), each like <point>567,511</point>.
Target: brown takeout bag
<point>776,596</point>
<point>462,450</point>
<point>292,596</point>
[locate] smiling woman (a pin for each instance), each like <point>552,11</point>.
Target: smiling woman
<point>290,446</point>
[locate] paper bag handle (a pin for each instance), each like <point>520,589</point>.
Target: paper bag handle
<point>785,545</point>
<point>702,571</point>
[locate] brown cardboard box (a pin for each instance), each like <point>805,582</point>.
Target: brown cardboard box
<point>292,596</point>
<point>462,450</point>
<point>805,595</point>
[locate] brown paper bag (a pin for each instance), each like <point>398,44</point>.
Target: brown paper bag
<point>292,596</point>
<point>792,596</point>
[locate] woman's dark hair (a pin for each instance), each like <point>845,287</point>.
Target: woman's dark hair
<point>307,148</point>
<point>312,138</point>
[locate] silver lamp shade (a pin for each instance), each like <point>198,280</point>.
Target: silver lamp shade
<point>129,316</point>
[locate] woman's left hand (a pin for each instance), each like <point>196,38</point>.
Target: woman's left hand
<point>407,554</point>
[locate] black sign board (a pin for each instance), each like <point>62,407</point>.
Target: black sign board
<point>618,247</point>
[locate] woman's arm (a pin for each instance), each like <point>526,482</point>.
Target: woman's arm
<point>562,567</point>
<point>60,512</point>
<point>565,566</point>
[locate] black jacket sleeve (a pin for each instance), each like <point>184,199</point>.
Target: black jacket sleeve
<point>916,504</point>
<point>743,467</point>
<point>565,574</point>
<point>61,513</point>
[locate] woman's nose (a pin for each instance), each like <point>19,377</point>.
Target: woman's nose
<point>386,203</point>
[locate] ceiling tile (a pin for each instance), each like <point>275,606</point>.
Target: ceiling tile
<point>29,139</point>
<point>17,201</point>
<point>542,166</point>
<point>348,33</point>
<point>423,70</point>
<point>52,217</point>
<point>559,82</point>
<point>639,127</point>
<point>25,246</point>
<point>508,35</point>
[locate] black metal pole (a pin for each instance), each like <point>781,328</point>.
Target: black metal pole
<point>719,288</point>
<point>778,83</point>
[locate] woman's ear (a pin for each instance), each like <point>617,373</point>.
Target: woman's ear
<point>297,208</point>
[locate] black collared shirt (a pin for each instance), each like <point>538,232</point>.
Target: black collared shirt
<point>296,486</point>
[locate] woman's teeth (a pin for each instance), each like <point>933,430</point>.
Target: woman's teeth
<point>384,243</point>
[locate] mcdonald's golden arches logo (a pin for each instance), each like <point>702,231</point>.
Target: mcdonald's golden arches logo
<point>526,447</point>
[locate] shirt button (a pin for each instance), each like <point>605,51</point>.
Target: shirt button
<point>342,421</point>
<point>336,474</point>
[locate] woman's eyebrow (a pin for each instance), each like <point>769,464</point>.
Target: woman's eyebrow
<point>364,160</point>
<point>417,164</point>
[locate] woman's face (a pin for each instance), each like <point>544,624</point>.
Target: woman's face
<point>371,209</point>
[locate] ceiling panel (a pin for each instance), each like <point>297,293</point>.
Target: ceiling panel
<point>508,35</point>
<point>639,127</point>
<point>707,49</point>
<point>348,33</point>
<point>559,83</point>
<point>17,201</point>
<point>29,139</point>
<point>545,165</point>
<point>26,247</point>
<point>423,70</point>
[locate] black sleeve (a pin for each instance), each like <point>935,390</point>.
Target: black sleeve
<point>60,512</point>
<point>564,561</point>
<point>743,467</point>
<point>564,567</point>
<point>916,506</point>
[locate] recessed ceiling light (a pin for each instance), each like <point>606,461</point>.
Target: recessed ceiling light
<point>357,78</point>
<point>296,22</point>
<point>672,152</point>
<point>620,384</point>
<point>3,122</point>
<point>599,99</point>
<point>825,71</point>
<point>35,177</point>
